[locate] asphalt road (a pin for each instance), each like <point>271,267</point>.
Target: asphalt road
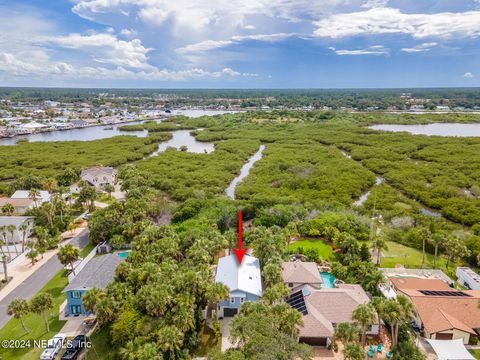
<point>38,279</point>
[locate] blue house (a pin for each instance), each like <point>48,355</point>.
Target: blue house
<point>97,273</point>
<point>244,282</point>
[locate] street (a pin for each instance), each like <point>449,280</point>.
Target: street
<point>38,279</point>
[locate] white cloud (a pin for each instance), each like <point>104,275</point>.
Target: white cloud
<point>105,48</point>
<point>420,48</point>
<point>208,45</point>
<point>392,21</point>
<point>468,75</point>
<point>250,27</point>
<point>128,32</point>
<point>371,50</point>
<point>375,3</point>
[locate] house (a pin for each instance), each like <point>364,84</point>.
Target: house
<point>322,308</point>
<point>99,176</point>
<point>244,282</point>
<point>97,273</point>
<point>78,123</point>
<point>441,312</point>
<point>468,278</point>
<point>297,274</point>
<point>20,205</point>
<point>44,196</point>
<point>17,221</point>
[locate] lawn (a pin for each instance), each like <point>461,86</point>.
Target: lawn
<point>13,329</point>
<point>86,250</point>
<point>410,258</point>
<point>475,353</point>
<point>324,249</point>
<point>101,346</point>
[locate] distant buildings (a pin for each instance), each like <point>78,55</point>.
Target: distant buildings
<point>43,196</point>
<point>20,205</point>
<point>244,282</point>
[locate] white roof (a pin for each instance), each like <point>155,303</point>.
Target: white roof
<point>33,125</point>
<point>450,349</point>
<point>23,194</point>
<point>244,278</point>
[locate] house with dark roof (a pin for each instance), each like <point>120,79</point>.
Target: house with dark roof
<point>322,308</point>
<point>244,282</point>
<point>97,273</point>
<point>441,312</point>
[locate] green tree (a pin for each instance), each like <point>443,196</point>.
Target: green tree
<point>425,235</point>
<point>353,351</point>
<point>397,312</point>
<point>109,189</point>
<point>23,228</point>
<point>68,254</point>
<point>41,304</point>
<point>364,315</point>
<point>8,209</point>
<point>34,195</point>
<point>455,249</point>
<point>18,308</point>
<point>347,332</point>
<point>379,244</point>
<point>12,229</point>
<point>91,298</point>
<point>437,240</point>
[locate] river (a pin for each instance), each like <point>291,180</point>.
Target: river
<point>244,171</point>
<point>365,196</point>
<point>435,129</point>
<point>184,138</point>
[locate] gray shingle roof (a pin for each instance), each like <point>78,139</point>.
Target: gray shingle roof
<point>98,272</point>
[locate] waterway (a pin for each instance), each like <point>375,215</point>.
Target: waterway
<point>184,138</point>
<point>365,196</point>
<point>195,113</point>
<point>244,171</point>
<point>435,129</point>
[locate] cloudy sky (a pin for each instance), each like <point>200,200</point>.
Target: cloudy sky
<point>240,43</point>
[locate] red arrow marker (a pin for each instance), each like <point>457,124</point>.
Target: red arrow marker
<point>240,252</point>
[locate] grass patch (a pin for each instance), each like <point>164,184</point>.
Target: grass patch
<point>207,342</point>
<point>324,249</point>
<point>13,329</point>
<point>101,347</point>
<point>475,353</point>
<point>86,250</point>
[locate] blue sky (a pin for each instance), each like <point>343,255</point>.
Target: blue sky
<point>240,43</point>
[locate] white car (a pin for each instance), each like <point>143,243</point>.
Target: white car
<point>54,346</point>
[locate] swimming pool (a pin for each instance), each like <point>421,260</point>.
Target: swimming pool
<point>124,254</point>
<point>328,280</point>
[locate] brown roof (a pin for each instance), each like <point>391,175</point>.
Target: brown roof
<point>330,306</point>
<point>301,272</point>
<point>15,202</point>
<point>441,312</point>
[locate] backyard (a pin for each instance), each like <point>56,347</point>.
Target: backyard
<point>324,249</point>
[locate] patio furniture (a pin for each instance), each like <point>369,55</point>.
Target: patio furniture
<point>389,355</point>
<point>379,348</point>
<point>371,348</point>
<point>370,354</point>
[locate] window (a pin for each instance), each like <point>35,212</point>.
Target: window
<point>76,295</point>
<point>242,300</point>
<point>232,300</point>
<point>290,284</point>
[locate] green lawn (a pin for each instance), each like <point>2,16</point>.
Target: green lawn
<point>101,346</point>
<point>475,353</point>
<point>324,249</point>
<point>13,329</point>
<point>410,258</point>
<point>86,250</point>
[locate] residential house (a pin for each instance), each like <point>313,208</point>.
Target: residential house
<point>78,123</point>
<point>44,196</point>
<point>441,312</point>
<point>97,273</point>
<point>99,176</point>
<point>322,308</point>
<point>468,278</point>
<point>20,205</point>
<point>244,282</point>
<point>17,221</point>
<point>297,274</point>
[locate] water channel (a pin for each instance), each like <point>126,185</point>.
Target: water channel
<point>435,129</point>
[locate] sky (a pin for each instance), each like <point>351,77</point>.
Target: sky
<point>240,43</point>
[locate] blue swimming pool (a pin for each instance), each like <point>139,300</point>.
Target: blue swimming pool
<point>124,254</point>
<point>328,280</point>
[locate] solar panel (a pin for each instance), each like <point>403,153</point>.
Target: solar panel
<point>444,293</point>
<point>297,301</point>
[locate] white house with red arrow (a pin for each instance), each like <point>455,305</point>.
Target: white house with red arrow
<point>243,280</point>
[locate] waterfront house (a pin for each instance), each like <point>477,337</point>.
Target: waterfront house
<point>441,312</point>
<point>99,176</point>
<point>244,282</point>
<point>97,273</point>
<point>78,123</point>
<point>17,221</point>
<point>20,205</point>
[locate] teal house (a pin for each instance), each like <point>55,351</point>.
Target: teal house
<point>97,273</point>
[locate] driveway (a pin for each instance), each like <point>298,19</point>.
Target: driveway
<point>225,329</point>
<point>35,282</point>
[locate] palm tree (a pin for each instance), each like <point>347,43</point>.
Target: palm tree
<point>3,231</point>
<point>109,188</point>
<point>425,235</point>
<point>5,262</point>
<point>378,303</point>
<point>34,195</point>
<point>42,303</point>
<point>12,229</point>
<point>436,240</point>
<point>397,312</point>
<point>353,351</point>
<point>8,209</point>
<point>378,243</point>
<point>91,298</point>
<point>455,249</point>
<point>68,255</point>
<point>18,308</point>
<point>346,332</point>
<point>364,315</point>
<point>49,211</point>
<point>170,340</point>
<point>217,292</point>
<point>23,228</point>
<point>50,185</point>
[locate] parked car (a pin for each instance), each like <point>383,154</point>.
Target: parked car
<point>54,345</point>
<point>86,216</point>
<point>75,347</point>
